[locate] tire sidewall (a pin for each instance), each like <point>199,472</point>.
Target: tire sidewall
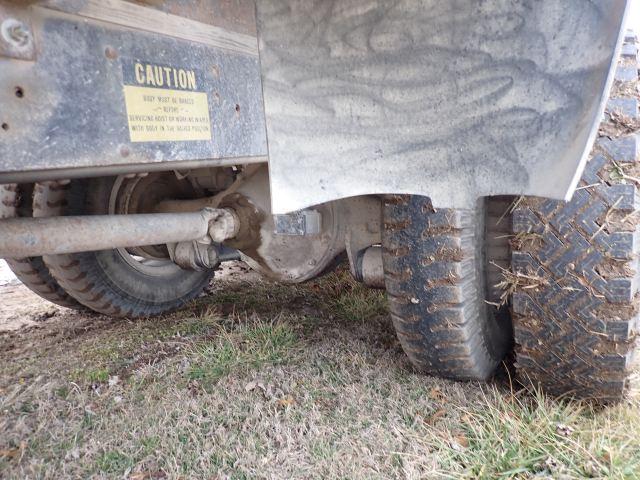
<point>118,280</point>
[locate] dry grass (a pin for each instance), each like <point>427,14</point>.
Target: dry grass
<point>266,381</point>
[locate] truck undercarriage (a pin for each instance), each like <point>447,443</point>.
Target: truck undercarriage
<point>142,144</point>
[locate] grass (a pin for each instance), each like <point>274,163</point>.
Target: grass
<point>249,346</point>
<point>515,435</point>
<point>268,381</point>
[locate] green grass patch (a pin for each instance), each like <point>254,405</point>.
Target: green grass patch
<point>114,462</point>
<point>96,375</point>
<point>340,295</point>
<point>246,347</point>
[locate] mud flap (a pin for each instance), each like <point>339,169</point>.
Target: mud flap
<point>452,100</point>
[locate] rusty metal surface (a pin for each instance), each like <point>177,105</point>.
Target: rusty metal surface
<point>72,114</point>
<point>30,237</point>
<point>454,100</point>
<point>286,258</point>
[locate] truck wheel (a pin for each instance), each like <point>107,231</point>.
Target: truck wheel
<point>575,306</point>
<point>435,267</point>
<point>16,201</point>
<point>116,282</point>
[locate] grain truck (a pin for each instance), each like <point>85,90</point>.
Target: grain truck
<point>476,158</point>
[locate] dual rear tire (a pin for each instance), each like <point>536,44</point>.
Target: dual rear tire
<point>572,283</point>
<point>435,266</point>
<point>113,282</point>
<point>17,201</point>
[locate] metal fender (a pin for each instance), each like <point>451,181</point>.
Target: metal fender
<point>450,99</point>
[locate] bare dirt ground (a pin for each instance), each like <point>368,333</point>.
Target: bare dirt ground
<point>19,307</point>
<point>257,380</point>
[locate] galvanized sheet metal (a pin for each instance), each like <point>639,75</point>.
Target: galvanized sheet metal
<point>453,100</point>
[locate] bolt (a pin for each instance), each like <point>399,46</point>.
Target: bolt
<point>111,53</point>
<point>15,33</point>
<point>124,151</point>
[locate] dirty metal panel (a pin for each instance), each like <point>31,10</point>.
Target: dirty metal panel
<point>235,15</point>
<point>101,92</point>
<point>454,100</point>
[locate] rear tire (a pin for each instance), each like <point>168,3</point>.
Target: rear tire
<point>16,201</point>
<point>114,282</point>
<point>435,267</point>
<point>575,313</point>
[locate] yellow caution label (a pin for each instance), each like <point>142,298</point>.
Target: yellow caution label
<point>167,115</point>
<point>165,103</point>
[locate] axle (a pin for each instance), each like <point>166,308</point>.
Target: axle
<point>29,237</point>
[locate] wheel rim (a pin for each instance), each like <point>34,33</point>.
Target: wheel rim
<point>119,201</point>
